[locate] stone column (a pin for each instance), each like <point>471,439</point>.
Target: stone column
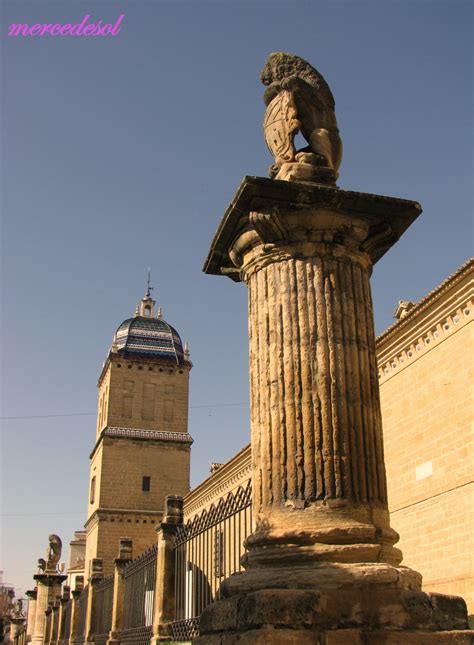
<point>165,570</point>
<point>78,589</point>
<point>124,557</point>
<point>55,622</point>
<point>16,623</point>
<point>323,543</point>
<point>65,598</point>
<point>30,623</point>
<point>95,576</point>
<point>47,624</point>
<point>48,588</point>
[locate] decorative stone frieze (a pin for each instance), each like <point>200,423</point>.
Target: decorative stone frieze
<point>443,312</point>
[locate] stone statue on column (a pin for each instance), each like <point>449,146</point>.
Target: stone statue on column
<point>321,565</point>
<point>299,99</point>
<point>49,580</point>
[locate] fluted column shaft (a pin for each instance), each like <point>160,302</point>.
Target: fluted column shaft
<point>315,415</point>
<point>306,253</point>
<point>318,469</point>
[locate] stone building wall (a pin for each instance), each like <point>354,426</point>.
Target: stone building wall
<point>141,394</point>
<point>426,376</point>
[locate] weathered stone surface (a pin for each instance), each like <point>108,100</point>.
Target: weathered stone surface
<point>322,557</point>
<point>271,636</point>
<point>298,98</point>
<point>324,609</point>
<point>415,638</point>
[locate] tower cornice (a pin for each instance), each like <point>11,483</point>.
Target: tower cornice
<point>142,434</point>
<point>139,360</point>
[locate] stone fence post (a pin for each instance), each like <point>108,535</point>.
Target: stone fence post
<point>48,588</point>
<point>65,598</point>
<point>124,557</point>
<point>47,624</point>
<point>78,589</point>
<point>165,570</point>
<point>54,622</point>
<point>30,621</point>
<point>15,627</point>
<point>96,575</point>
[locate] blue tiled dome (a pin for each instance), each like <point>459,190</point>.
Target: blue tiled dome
<point>150,338</point>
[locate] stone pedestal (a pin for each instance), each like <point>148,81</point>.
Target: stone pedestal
<point>124,557</point>
<point>16,627</point>
<point>55,622</point>
<point>76,594</point>
<point>65,599</point>
<point>96,575</point>
<point>165,570</point>
<point>48,589</point>
<point>322,556</point>
<point>30,622</point>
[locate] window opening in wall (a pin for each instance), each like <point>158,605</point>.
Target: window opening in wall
<point>92,495</point>
<point>146,484</point>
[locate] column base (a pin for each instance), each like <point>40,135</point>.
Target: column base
<point>348,616</point>
<point>163,634</point>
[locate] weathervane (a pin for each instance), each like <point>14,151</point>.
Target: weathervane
<point>148,283</point>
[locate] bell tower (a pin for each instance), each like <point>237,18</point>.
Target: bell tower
<point>142,448</point>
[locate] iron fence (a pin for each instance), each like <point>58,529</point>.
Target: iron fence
<point>140,579</point>
<point>104,599</point>
<point>208,550</point>
<point>66,624</point>
<point>80,635</point>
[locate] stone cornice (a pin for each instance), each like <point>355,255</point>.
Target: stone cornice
<point>446,285</point>
<point>142,435</point>
<point>105,513</point>
<point>236,471</point>
<point>138,360</point>
<point>385,218</point>
<point>440,314</point>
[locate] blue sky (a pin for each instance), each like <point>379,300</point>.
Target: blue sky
<point>123,153</point>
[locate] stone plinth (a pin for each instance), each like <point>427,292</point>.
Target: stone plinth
<point>30,623</point>
<point>48,589</point>
<point>322,556</point>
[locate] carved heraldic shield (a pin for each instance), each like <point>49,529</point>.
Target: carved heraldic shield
<point>280,126</point>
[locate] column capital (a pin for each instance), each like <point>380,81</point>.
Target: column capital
<point>50,579</point>
<point>268,214</point>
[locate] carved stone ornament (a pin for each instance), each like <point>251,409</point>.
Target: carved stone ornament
<point>41,565</point>
<point>299,99</point>
<point>280,126</point>
<point>53,552</point>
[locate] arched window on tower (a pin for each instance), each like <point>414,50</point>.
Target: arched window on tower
<point>92,495</point>
<point>147,310</point>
